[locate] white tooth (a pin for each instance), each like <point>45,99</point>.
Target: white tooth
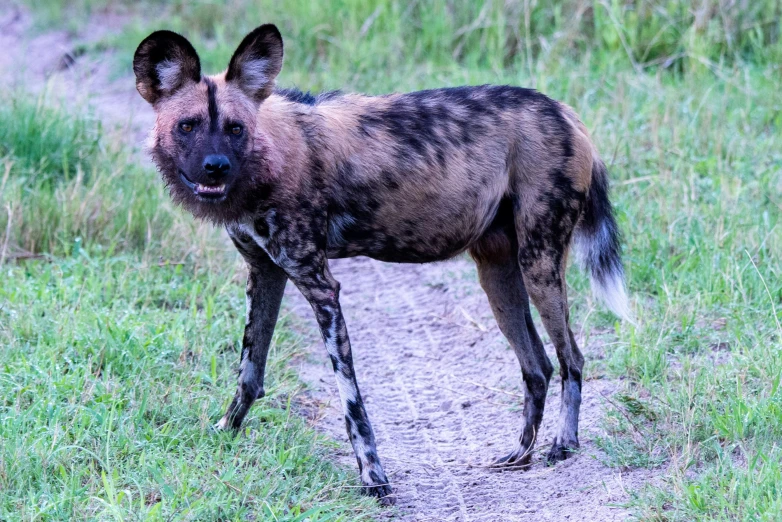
<point>210,188</point>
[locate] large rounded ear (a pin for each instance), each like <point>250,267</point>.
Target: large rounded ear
<point>257,62</point>
<point>164,62</point>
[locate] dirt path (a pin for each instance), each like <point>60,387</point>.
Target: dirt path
<point>442,387</point>
<point>443,391</point>
<point>33,61</point>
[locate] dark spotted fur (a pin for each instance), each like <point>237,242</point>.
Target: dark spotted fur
<point>505,173</point>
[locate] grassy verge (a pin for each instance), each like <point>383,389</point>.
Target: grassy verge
<point>113,373</point>
<point>368,38</point>
<point>63,185</point>
<point>699,184</point>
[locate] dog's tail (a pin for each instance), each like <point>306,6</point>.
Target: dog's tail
<point>597,242</point>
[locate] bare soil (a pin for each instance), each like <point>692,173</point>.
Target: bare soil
<point>443,391</point>
<point>442,387</point>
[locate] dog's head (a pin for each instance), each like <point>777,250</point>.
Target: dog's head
<point>206,141</point>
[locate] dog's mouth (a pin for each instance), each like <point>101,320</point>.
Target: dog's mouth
<point>206,192</point>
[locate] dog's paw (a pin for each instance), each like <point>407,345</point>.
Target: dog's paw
<point>520,458</point>
<point>559,452</point>
<point>378,486</point>
<point>222,425</point>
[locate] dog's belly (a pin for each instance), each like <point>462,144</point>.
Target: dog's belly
<point>409,235</point>
<point>393,250</point>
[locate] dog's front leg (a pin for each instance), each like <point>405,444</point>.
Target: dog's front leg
<point>322,292</point>
<point>265,286</point>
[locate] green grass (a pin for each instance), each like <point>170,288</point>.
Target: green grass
<point>686,108</point>
<point>113,373</point>
<point>47,143</point>
<point>698,164</point>
<point>368,38</point>
<point>381,46</point>
<point>64,184</point>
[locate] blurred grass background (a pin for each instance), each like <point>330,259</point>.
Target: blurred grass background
<point>683,100</point>
<point>370,37</point>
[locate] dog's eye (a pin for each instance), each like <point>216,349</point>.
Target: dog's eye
<point>186,127</point>
<point>236,130</point>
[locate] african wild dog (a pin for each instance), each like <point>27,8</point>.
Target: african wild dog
<point>503,172</point>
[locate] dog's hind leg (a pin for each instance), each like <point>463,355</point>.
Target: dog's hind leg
<point>543,247</point>
<point>501,279</point>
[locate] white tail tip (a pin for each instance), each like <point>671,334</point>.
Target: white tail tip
<point>612,292</point>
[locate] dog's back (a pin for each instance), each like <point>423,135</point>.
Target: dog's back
<point>420,176</point>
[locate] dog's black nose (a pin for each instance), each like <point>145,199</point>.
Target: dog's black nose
<point>216,164</point>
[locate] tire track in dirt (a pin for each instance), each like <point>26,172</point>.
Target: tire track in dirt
<point>443,392</point>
